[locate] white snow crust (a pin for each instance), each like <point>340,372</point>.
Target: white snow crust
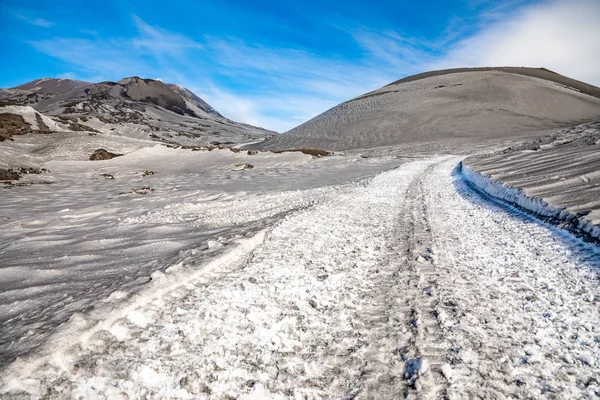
<point>86,237</point>
<point>536,205</point>
<point>404,284</point>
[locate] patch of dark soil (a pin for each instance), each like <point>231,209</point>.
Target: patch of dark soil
<point>105,120</point>
<point>14,174</point>
<point>9,175</point>
<point>143,190</point>
<point>102,154</point>
<point>12,124</point>
<point>241,167</point>
<point>42,127</point>
<point>312,152</point>
<point>13,184</point>
<point>216,143</point>
<point>31,170</point>
<point>74,125</point>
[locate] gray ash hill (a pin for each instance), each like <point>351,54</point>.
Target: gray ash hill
<point>52,86</point>
<point>132,107</point>
<point>460,105</point>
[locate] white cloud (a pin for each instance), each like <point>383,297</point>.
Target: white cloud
<point>43,23</point>
<point>393,50</point>
<point>115,58</point>
<point>563,36</point>
<point>103,58</point>
<point>160,41</point>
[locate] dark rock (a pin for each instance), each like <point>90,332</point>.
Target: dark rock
<point>143,191</point>
<point>102,154</point>
<point>241,167</point>
<point>9,175</point>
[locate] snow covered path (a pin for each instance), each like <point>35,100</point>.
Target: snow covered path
<point>521,301</point>
<point>406,285</point>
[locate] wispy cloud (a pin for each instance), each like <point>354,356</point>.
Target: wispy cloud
<point>390,50</point>
<point>43,23</point>
<point>560,35</point>
<point>160,41</point>
<point>108,58</point>
<point>92,56</point>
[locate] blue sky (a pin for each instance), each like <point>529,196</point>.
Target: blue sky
<point>277,64</point>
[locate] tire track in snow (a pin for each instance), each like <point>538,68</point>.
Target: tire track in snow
<point>313,314</point>
<point>520,303</point>
<point>427,353</point>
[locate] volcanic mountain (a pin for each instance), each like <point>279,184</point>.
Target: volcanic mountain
<point>53,86</point>
<point>133,107</point>
<point>457,104</point>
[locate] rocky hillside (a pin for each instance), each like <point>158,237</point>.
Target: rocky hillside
<point>132,107</point>
<point>52,86</point>
<point>461,104</point>
<point>190,96</point>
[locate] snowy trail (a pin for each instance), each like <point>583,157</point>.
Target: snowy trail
<point>407,285</point>
<point>521,303</point>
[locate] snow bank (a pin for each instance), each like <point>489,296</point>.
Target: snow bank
<point>516,196</point>
<point>87,330</point>
<point>30,116</point>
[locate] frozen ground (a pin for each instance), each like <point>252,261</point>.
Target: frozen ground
<point>106,226</point>
<point>402,284</point>
<point>556,176</point>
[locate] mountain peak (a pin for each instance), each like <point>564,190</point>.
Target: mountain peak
<point>53,85</point>
<point>450,105</point>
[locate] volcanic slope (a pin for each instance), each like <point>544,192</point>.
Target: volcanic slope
<point>460,104</point>
<point>53,86</point>
<point>133,107</point>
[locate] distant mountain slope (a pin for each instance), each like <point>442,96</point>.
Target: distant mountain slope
<point>478,103</point>
<point>190,96</point>
<point>133,107</point>
<point>52,86</point>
